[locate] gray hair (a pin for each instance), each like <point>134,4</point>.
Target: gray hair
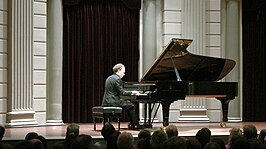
<point>125,140</point>
<point>117,67</point>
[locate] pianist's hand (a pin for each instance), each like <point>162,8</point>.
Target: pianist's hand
<point>135,93</point>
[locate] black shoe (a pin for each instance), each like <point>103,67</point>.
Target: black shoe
<point>135,127</point>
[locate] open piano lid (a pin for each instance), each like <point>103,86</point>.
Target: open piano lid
<point>190,67</point>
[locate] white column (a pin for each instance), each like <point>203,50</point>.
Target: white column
<point>193,27</point>
<point>149,33</point>
<point>148,49</point>
<point>54,62</point>
<point>232,51</point>
<point>20,88</point>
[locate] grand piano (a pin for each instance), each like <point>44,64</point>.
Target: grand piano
<point>177,74</point>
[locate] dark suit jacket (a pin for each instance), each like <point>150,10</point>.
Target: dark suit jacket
<point>113,90</point>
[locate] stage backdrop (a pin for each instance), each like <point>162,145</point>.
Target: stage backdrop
<point>100,33</point>
<point>254,64</point>
<point>97,35</point>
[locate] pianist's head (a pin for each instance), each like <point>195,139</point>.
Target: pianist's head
<point>119,69</point>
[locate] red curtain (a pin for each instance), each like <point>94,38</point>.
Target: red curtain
<point>254,64</point>
<point>97,35</point>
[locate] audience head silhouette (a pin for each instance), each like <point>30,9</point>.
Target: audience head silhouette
<point>2,132</point>
<point>73,129</point>
<point>31,135</point>
<point>250,131</point>
<point>107,130</point>
<point>212,145</point>
<point>125,140</point>
<point>82,142</point>
<point>193,144</point>
<point>175,142</point>
<point>262,136</point>
<point>144,137</point>
<point>204,136</point>
<point>171,131</point>
<point>157,139</point>
<point>37,144</point>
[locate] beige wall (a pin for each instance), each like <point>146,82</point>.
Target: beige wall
<point>3,59</point>
<point>39,60</point>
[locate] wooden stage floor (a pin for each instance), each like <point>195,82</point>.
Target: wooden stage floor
<point>185,129</point>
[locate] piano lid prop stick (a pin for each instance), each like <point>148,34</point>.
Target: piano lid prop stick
<point>173,63</point>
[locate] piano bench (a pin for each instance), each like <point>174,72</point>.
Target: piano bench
<point>106,113</point>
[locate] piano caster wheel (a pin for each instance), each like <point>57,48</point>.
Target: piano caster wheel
<point>223,125</point>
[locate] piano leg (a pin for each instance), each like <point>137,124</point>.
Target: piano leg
<point>147,115</point>
<point>166,107</point>
<point>225,104</point>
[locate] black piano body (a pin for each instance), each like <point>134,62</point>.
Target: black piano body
<point>177,74</point>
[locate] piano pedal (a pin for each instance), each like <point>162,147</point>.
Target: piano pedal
<point>223,124</point>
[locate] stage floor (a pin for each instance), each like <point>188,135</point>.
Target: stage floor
<point>185,129</point>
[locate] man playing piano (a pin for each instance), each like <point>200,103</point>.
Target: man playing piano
<point>114,89</point>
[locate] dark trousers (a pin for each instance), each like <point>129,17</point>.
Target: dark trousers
<point>129,109</point>
<point>131,112</point>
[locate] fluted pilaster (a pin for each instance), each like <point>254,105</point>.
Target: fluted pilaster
<point>193,27</point>
<point>20,102</point>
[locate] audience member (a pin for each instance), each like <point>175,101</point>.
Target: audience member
<point>125,140</point>
<point>107,130</point>
<point>204,136</point>
<point>234,132</point>
<point>43,140</point>
<point>255,144</point>
<point>220,142</point>
<point>262,136</point>
<point>250,131</point>
<point>171,130</point>
<point>175,142</point>
<point>31,135</point>
<point>82,142</point>
<point>212,145</point>
<point>3,145</point>
<point>112,140</point>
<point>37,144</point>
<point>157,139</point>
<point>144,133</point>
<point>144,138</point>
<point>2,132</point>
<point>71,133</point>
<point>239,142</point>
<point>193,144</point>
<point>25,144</point>
<point>207,130</point>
